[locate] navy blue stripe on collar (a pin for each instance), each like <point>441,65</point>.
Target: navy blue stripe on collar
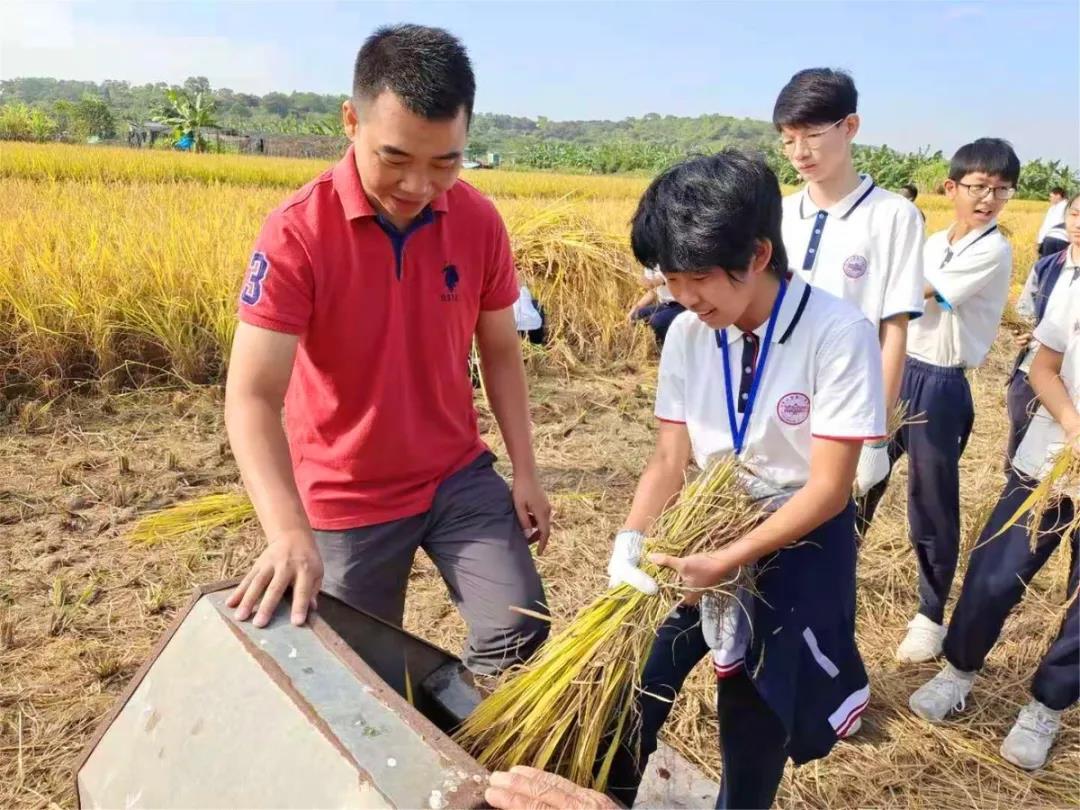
<point>859,201</point>
<point>798,314</point>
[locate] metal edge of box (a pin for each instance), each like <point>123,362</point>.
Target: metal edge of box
<point>118,706</point>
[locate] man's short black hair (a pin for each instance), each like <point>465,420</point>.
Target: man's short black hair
<point>1059,191</point>
<point>707,213</point>
<point>815,96</point>
<point>910,191</point>
<point>427,68</point>
<point>992,156</point>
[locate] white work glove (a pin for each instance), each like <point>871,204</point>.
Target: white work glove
<point>623,568</point>
<point>873,466</point>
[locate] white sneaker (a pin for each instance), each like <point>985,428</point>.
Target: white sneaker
<point>941,694</point>
<point>922,642</point>
<point>1031,736</point>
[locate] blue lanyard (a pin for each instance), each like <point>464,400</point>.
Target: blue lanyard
<point>738,431</point>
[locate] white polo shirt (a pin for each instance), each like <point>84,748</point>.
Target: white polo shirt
<point>1055,215</point>
<point>1058,330</point>
<point>971,277</point>
<point>822,378</point>
<point>866,249</point>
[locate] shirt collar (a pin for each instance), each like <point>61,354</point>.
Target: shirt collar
<point>791,310</point>
<point>354,202</point>
<point>963,244</point>
<point>842,208</point>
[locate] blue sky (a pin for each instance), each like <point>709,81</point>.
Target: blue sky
<point>929,73</point>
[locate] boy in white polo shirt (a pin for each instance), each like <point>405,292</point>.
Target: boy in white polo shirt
<point>788,378</point>
<point>968,269</point>
<point>1003,563</point>
<point>847,235</point>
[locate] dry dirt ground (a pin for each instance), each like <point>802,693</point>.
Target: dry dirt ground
<point>81,605</point>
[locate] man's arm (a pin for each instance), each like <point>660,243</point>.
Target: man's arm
<point>663,477</point>
<point>504,380</point>
<point>259,370</point>
<point>1045,378</point>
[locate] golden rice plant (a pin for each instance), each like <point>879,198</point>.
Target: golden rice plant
<point>1061,482</point>
<point>195,517</point>
<point>571,707</point>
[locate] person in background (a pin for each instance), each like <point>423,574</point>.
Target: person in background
<point>1004,561</point>
<point>657,306</point>
<point>1051,237</point>
<point>910,193</point>
<point>968,269</point>
<point>1020,398</point>
<point>847,235</point>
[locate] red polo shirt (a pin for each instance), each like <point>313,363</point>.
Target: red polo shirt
<point>379,409</point>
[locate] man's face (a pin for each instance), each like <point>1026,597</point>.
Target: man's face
<point>1072,223</point>
<point>714,296</point>
<point>404,160</point>
<point>819,152</point>
<point>975,197</point>
<point>1055,198</point>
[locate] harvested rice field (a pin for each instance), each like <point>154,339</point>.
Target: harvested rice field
<point>116,287</point>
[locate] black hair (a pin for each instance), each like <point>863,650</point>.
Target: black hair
<point>912,191</point>
<point>1059,191</point>
<point>427,68</point>
<point>992,156</point>
<point>815,96</point>
<point>707,213</point>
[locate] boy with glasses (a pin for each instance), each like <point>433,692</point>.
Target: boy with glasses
<point>846,235</point>
<point>968,269</point>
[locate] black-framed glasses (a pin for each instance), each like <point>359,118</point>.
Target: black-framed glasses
<point>811,139</point>
<point>978,190</point>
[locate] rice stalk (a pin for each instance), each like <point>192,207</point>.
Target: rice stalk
<point>1060,483</point>
<point>224,510</point>
<point>571,707</point>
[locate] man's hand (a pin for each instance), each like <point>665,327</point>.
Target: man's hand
<point>1022,340</point>
<point>524,788</point>
<point>533,510</point>
<point>292,561</point>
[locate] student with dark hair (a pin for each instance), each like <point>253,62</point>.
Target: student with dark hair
<point>362,300</point>
<point>788,378</point>
<point>844,233</point>
<point>1004,561</point>
<point>909,192</point>
<point>968,267</point>
<point>1020,399</point>
<point>1051,237</point>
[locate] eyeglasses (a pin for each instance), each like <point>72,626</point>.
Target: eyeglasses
<point>811,139</point>
<point>978,191</point>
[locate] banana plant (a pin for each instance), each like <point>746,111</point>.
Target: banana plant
<point>188,116</point>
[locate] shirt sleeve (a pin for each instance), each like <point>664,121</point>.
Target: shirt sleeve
<point>1025,304</point>
<point>671,379</point>
<point>904,287</point>
<point>500,287</point>
<point>849,393</point>
<point>1053,329</point>
<point>278,290</point>
<point>969,272</point>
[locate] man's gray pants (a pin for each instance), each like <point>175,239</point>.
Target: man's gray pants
<point>472,534</point>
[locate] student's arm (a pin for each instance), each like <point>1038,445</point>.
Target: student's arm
<point>968,273</point>
<point>893,336</point>
<point>1045,378</point>
<point>647,298</point>
<point>499,347</point>
<point>663,477</point>
<point>825,494</point>
<point>259,370</point>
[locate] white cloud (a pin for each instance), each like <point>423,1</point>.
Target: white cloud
<point>50,39</point>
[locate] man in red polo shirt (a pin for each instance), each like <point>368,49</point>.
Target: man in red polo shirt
<point>361,302</point>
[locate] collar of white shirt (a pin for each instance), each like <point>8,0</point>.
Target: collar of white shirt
<point>842,208</point>
<point>791,310</point>
<point>961,245</point>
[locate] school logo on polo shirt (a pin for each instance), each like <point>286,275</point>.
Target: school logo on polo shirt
<point>793,408</point>
<point>855,266</point>
<point>451,278</point>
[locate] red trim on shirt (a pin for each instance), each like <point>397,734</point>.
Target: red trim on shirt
<point>850,438</point>
<point>671,421</point>
<point>727,670</point>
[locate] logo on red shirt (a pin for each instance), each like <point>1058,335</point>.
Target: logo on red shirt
<point>793,409</point>
<point>855,266</point>
<point>257,269</point>
<point>451,278</point>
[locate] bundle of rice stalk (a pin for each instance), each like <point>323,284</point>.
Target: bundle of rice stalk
<point>1063,481</point>
<point>572,705</point>
<point>223,510</point>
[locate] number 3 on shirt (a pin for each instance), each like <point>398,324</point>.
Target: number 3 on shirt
<point>252,291</point>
